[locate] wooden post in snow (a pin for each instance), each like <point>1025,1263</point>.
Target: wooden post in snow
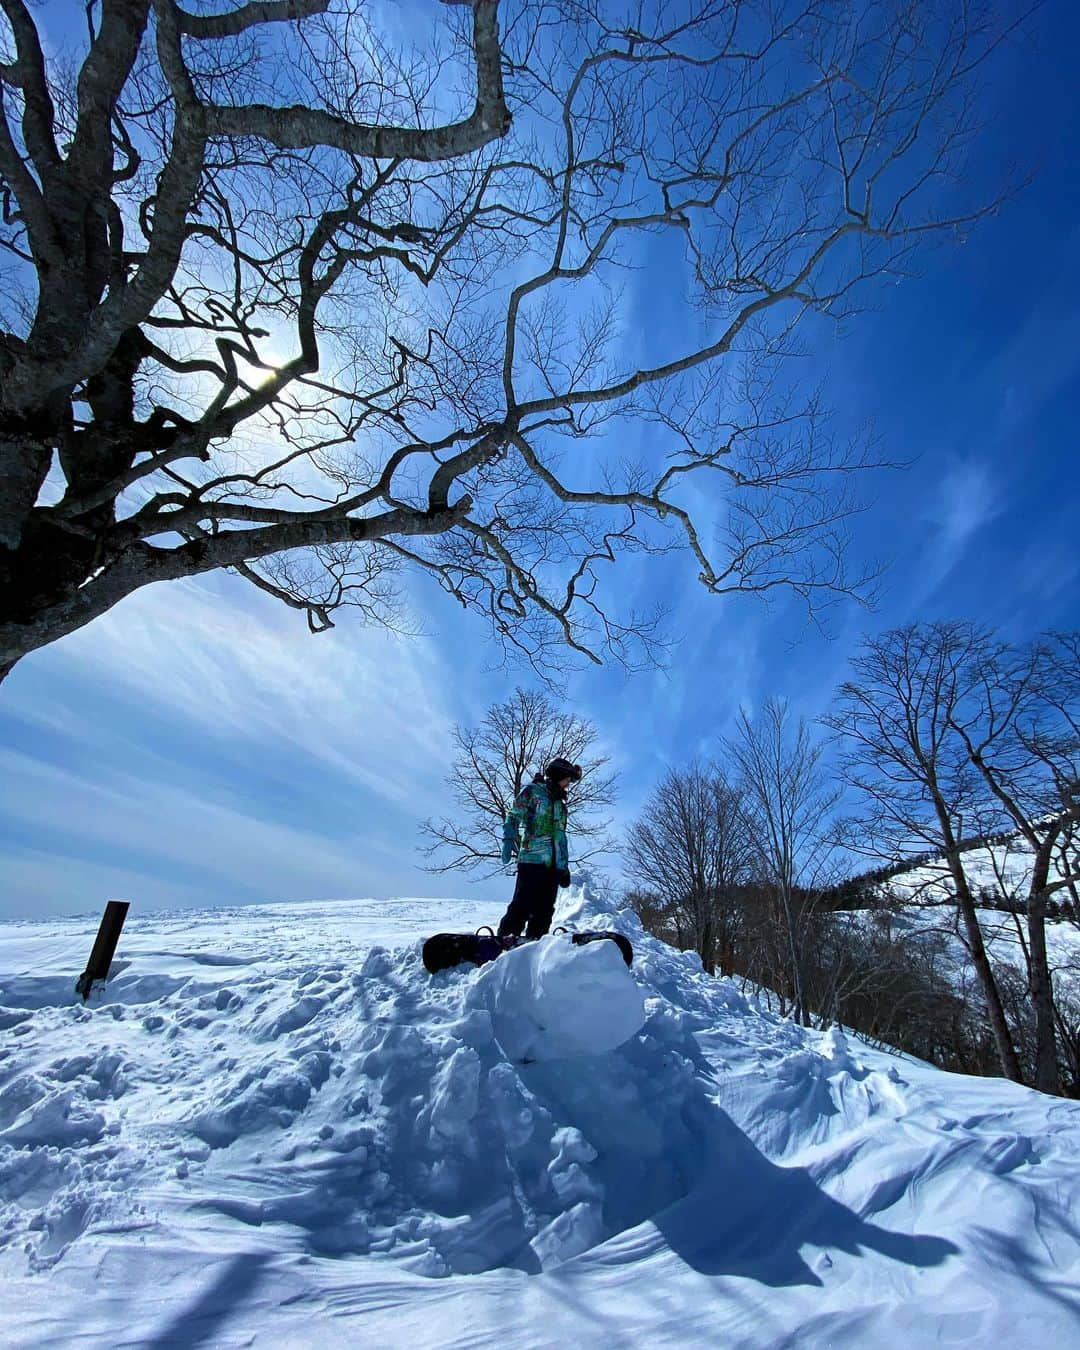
<point>97,968</point>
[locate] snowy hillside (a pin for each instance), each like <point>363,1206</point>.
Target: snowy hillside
<point>273,1128</point>
<point>929,911</point>
<point>1003,867</point>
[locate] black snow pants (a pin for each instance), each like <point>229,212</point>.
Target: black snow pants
<point>533,902</point>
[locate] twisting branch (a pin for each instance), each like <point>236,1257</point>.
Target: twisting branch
<point>310,303</point>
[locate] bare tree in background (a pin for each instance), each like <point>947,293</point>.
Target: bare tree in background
<point>790,800</point>
<point>1020,727</point>
<point>286,295</point>
<point>690,849</point>
<point>495,760</point>
<point>919,788</point>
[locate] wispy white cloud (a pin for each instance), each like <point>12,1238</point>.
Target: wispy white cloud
<point>967,500</point>
<point>41,884</point>
<point>157,844</point>
<point>1048,571</point>
<point>363,705</point>
<point>1038,361</point>
<point>207,714</point>
<point>662,719</point>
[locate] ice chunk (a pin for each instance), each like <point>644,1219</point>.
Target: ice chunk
<point>569,1234</point>
<point>58,1119</point>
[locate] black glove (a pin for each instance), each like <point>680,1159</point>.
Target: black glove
<point>564,876</point>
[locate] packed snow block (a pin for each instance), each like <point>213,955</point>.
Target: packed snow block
<point>455,1099</point>
<point>551,999</point>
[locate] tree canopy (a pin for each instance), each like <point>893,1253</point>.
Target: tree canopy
<point>293,288</point>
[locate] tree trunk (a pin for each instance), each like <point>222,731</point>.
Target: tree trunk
<point>706,938</point>
<point>1047,1078</point>
<point>24,463</point>
<point>794,957</point>
<point>707,951</point>
<point>1006,1051</point>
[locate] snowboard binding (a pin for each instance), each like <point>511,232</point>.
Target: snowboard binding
<point>580,939</point>
<point>453,949</point>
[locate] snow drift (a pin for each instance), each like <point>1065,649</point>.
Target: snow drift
<point>273,1115</point>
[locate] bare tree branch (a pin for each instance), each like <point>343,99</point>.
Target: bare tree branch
<point>513,742</point>
<point>288,283</point>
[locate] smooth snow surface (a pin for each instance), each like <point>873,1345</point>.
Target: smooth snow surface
<point>273,1128</point>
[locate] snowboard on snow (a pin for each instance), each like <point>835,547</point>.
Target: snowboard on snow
<point>454,949</point>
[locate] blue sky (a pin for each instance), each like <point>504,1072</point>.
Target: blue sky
<point>197,746</point>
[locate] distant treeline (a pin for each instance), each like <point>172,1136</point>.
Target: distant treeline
<point>940,728</point>
<point>896,987</point>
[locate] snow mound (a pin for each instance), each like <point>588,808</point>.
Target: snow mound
<point>619,1155</point>
<point>60,1118</point>
<point>514,1116</point>
<point>552,1000</point>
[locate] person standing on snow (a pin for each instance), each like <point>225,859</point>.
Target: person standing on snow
<point>535,833</point>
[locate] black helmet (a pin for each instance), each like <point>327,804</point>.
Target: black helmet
<point>559,769</point>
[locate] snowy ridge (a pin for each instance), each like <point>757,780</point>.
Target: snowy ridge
<point>1002,866</point>
<point>274,1115</point>
<point>929,913</point>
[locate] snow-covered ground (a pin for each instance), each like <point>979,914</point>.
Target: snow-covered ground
<point>273,1128</point>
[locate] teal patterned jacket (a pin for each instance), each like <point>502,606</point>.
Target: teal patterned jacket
<point>535,828</point>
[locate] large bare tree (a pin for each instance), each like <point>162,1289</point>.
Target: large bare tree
<point>493,761</point>
<point>1020,728</point>
<point>918,787</point>
<point>291,293</point>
